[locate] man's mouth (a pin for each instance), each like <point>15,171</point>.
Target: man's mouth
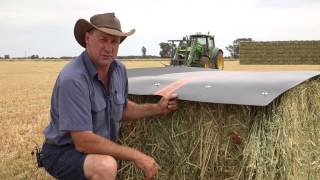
<point>107,56</point>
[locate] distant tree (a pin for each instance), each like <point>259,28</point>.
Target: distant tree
<point>166,49</point>
<point>66,57</point>
<point>34,56</point>
<point>234,49</point>
<point>51,58</point>
<point>7,56</point>
<point>144,51</point>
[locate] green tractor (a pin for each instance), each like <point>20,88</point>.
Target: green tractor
<point>197,50</point>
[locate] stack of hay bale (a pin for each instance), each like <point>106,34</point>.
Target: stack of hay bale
<point>222,141</point>
<point>280,52</point>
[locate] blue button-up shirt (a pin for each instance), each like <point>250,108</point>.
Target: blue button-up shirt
<point>80,102</point>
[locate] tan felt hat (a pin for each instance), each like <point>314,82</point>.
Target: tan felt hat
<point>107,23</point>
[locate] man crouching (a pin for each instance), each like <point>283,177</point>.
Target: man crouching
<point>89,101</point>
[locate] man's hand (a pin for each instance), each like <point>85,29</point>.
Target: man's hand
<point>168,103</point>
<point>147,164</point>
<point>135,111</point>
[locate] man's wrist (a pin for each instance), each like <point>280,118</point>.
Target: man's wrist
<point>157,109</point>
<point>135,154</point>
<point>152,110</point>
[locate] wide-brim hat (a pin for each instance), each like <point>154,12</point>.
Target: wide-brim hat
<point>107,23</point>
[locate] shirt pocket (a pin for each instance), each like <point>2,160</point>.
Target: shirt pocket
<point>118,104</point>
<point>98,108</point>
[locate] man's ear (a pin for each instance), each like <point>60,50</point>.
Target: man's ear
<point>86,37</point>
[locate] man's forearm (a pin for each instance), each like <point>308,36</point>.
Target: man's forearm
<point>91,143</point>
<point>135,111</point>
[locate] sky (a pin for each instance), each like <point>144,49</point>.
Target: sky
<point>45,28</point>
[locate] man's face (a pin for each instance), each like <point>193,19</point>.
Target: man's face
<point>102,48</point>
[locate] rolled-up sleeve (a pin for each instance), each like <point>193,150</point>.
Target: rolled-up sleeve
<point>74,106</point>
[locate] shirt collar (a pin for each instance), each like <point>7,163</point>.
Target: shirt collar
<point>92,71</point>
<point>91,68</point>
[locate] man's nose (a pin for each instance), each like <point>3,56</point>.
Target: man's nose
<point>107,46</point>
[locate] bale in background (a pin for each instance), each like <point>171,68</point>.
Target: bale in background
<point>220,141</point>
<point>280,52</point>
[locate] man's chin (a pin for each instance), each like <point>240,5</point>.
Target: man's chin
<point>106,61</point>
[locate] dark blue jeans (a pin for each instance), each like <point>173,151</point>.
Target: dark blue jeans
<point>63,162</point>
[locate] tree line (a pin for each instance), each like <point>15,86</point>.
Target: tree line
<point>35,57</point>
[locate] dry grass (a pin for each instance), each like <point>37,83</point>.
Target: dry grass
<point>279,141</point>
<point>25,88</point>
<point>24,105</point>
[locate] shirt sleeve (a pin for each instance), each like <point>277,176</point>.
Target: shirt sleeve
<point>74,106</point>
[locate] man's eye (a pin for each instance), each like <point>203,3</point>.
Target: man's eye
<point>115,41</point>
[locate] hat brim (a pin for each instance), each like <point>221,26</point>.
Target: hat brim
<point>82,26</point>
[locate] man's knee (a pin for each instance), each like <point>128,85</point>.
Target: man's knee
<point>109,164</point>
<point>100,167</point>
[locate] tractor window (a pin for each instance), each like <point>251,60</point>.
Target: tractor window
<point>211,43</point>
<point>202,40</point>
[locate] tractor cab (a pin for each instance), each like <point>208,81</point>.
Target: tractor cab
<point>204,40</point>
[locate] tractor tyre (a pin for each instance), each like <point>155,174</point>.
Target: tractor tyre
<point>205,61</point>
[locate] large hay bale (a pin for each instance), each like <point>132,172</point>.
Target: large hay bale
<point>280,52</point>
<point>220,141</point>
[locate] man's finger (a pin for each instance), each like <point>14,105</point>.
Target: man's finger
<point>170,96</point>
<point>172,107</point>
<point>172,102</point>
<point>173,96</point>
<point>150,175</point>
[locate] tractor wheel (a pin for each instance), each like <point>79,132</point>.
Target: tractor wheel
<point>220,61</point>
<point>204,61</point>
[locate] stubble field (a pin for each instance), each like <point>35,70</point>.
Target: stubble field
<point>25,89</point>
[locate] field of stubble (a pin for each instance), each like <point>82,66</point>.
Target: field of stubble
<point>25,89</point>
